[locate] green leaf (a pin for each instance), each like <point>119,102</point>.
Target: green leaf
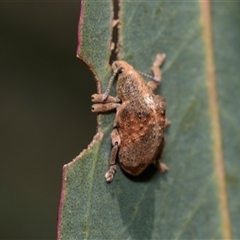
<point>199,197</point>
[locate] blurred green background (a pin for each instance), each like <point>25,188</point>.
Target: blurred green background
<point>45,112</point>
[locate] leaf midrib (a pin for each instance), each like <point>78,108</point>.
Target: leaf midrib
<point>205,14</point>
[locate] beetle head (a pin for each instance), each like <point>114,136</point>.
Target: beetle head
<point>122,68</point>
<point>119,68</point>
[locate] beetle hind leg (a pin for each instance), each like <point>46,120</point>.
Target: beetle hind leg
<point>163,167</point>
<point>113,159</point>
<point>160,165</point>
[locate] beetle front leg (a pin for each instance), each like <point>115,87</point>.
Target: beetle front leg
<point>157,71</point>
<point>100,105</point>
<point>113,159</point>
<point>104,107</point>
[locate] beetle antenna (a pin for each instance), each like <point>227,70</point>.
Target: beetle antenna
<point>106,93</point>
<point>149,76</point>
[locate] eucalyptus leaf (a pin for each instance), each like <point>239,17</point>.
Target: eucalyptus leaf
<point>187,202</point>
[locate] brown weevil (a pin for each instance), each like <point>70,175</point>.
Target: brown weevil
<point>138,129</point>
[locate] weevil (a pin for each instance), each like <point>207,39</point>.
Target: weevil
<point>138,130</point>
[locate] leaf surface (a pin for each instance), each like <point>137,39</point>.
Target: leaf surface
<point>226,38</point>
<point>187,202</point>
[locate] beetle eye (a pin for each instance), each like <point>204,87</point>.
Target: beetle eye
<point>120,70</point>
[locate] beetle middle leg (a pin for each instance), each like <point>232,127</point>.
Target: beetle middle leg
<point>100,105</point>
<point>156,70</point>
<point>113,159</point>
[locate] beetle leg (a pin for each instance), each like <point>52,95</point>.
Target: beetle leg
<point>160,165</point>
<point>163,167</point>
<point>157,71</point>
<point>97,98</point>
<point>167,123</point>
<point>100,105</point>
<point>104,107</point>
<point>113,168</point>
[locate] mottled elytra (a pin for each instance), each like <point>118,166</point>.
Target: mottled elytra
<point>138,129</point>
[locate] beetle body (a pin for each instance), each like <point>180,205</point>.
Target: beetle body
<point>140,121</point>
<point>138,134</point>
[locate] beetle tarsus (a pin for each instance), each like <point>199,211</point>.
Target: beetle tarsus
<point>163,167</point>
<point>110,173</point>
